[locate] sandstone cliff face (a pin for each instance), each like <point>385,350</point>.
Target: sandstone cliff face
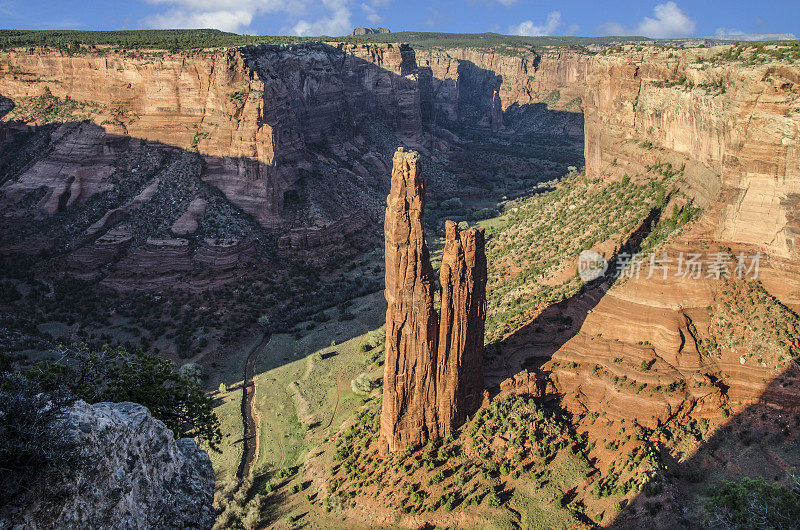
<point>274,125</point>
<point>210,103</point>
<point>433,376</point>
<point>466,80</point>
<point>132,474</point>
<point>739,145</point>
<point>251,113</point>
<point>738,150</point>
<point>274,129</point>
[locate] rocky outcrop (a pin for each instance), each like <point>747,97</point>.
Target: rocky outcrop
<point>361,30</point>
<point>433,376</point>
<point>409,393</point>
<point>132,474</point>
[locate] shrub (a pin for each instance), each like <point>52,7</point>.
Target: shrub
<point>117,375</point>
<point>753,503</point>
<point>493,500</point>
<point>192,372</point>
<point>31,445</point>
<point>363,384</point>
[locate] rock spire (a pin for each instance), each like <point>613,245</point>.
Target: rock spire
<point>433,374</point>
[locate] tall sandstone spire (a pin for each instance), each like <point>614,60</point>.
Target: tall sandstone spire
<point>411,320</point>
<point>459,363</point>
<point>433,375</point>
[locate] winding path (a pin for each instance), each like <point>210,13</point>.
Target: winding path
<point>250,441</point>
<point>336,406</point>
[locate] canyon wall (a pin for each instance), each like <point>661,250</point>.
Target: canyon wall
<point>730,130</point>
<point>252,113</point>
<point>155,164</point>
<point>734,126</point>
<point>433,375</point>
<point>544,90</point>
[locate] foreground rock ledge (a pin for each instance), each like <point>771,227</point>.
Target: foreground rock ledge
<point>133,474</point>
<point>433,376</point>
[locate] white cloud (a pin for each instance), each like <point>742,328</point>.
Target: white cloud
<point>338,23</point>
<point>572,29</point>
<point>371,10</point>
<point>223,20</point>
<point>669,21</point>
<point>529,29</point>
<point>226,15</point>
<point>507,2</point>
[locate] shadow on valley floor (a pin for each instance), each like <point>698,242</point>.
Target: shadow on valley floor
<point>126,242</point>
<point>533,345</point>
<point>762,440</point>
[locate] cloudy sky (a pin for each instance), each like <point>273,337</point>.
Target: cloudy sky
<point>679,18</point>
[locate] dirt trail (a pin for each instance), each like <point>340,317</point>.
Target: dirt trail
<point>336,406</point>
<point>250,442</point>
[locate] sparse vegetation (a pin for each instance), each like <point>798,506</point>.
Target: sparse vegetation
<point>117,375</point>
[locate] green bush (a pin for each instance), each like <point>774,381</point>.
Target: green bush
<point>31,445</point>
<point>116,375</point>
<point>754,503</point>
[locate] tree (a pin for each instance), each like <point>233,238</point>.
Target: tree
<point>754,503</point>
<point>118,375</point>
<point>31,444</point>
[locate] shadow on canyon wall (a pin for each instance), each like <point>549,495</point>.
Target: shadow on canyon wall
<point>561,321</point>
<point>107,203</point>
<point>762,440</point>
<point>101,222</point>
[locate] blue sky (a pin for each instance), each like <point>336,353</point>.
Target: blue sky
<point>659,18</point>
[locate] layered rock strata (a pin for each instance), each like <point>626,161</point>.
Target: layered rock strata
<point>733,127</point>
<point>434,368</point>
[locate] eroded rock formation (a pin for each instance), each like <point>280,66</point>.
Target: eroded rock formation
<point>434,369</point>
<point>459,370</point>
<point>408,414</point>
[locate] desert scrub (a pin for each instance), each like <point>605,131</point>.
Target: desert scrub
<point>504,446</point>
<point>755,53</point>
<point>538,237</point>
<point>47,108</point>
<point>751,323</point>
